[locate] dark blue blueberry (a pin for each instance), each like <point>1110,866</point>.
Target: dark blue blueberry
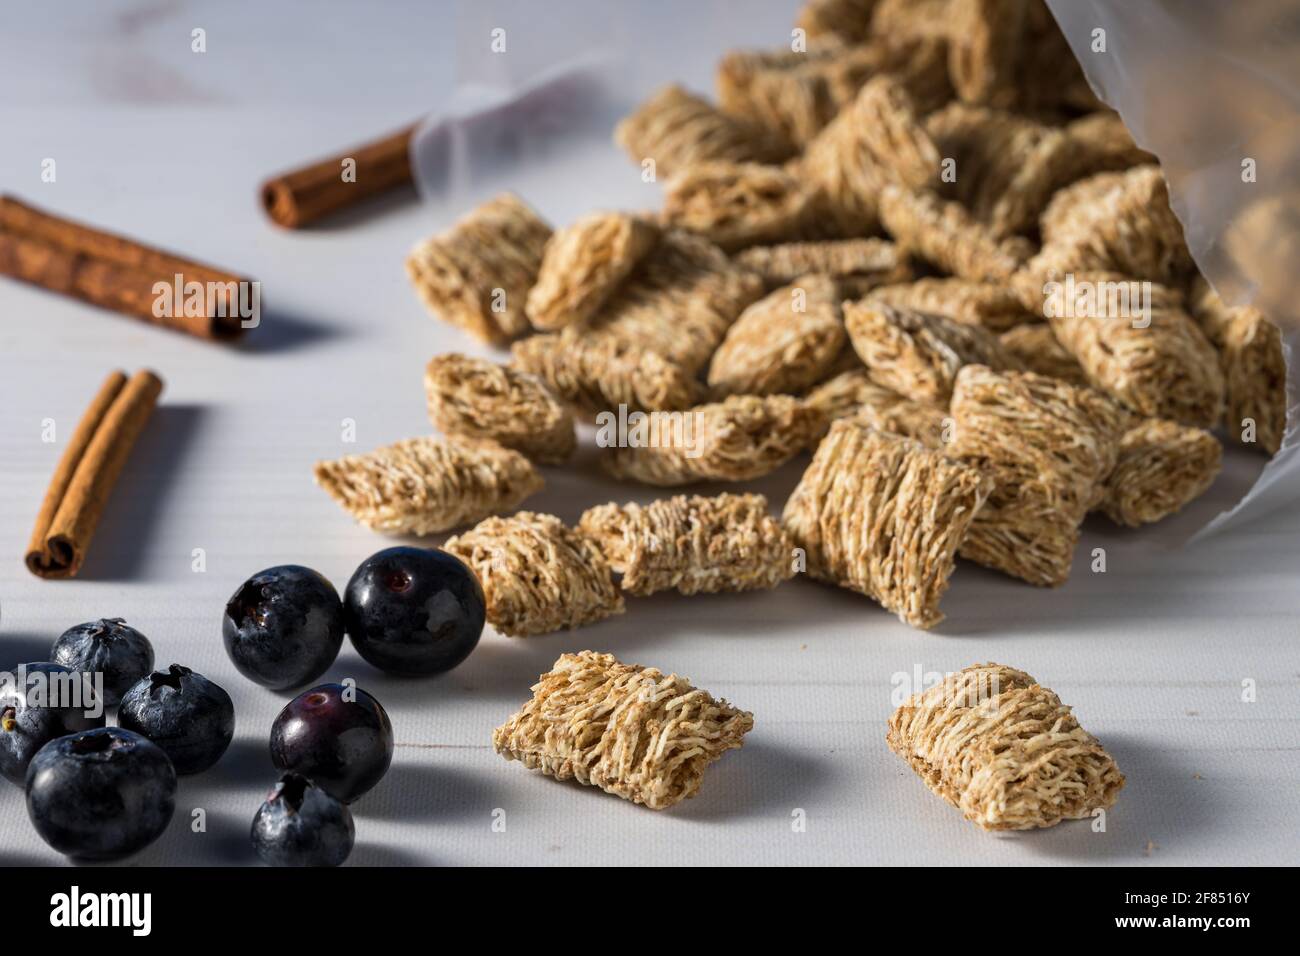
<point>184,713</point>
<point>339,736</point>
<point>283,627</point>
<point>414,610</point>
<point>110,647</point>
<point>43,702</point>
<point>302,825</point>
<point>100,794</point>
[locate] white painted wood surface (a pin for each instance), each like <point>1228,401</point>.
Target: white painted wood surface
<point>162,144</point>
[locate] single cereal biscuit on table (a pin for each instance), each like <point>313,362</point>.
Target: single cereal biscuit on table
<point>694,544</point>
<point>1035,347</point>
<point>990,305</point>
<point>944,234</point>
<point>632,731</point>
<point>600,374</point>
<point>858,261</point>
<point>739,439</point>
<point>736,204</point>
<point>1003,750</point>
<point>853,394</point>
<point>1254,367</point>
<point>427,485</point>
<point>782,343</point>
<point>538,576</point>
<point>583,264</point>
<point>481,399</point>
<point>1149,355</point>
<point>1048,447</point>
<point>679,302</point>
<point>1162,466</point>
<point>477,274</point>
<point>883,515</point>
<point>676,129</point>
<point>918,354</point>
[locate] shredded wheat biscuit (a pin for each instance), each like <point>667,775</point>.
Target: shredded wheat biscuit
<point>887,134</point>
<point>480,399</point>
<point>1070,205</point>
<point>679,302</point>
<point>1162,466</point>
<point>693,544</point>
<point>919,63</point>
<point>899,21</point>
<point>867,261</point>
<point>797,95</point>
<point>986,145</point>
<point>875,140</point>
<point>853,394</point>
<point>739,439</point>
<point>884,516</point>
<point>736,204</point>
<point>425,485</point>
<point>1165,368</point>
<point>632,731</point>
<point>1003,750</point>
<point>918,354</point>
<point>849,20</point>
<point>788,93</point>
<point>477,274</point>
<point>677,129</point>
<point>990,305</point>
<point>986,49</point>
<point>1254,366</point>
<point>1035,347</point>
<point>1128,228</point>
<point>1048,447</point>
<point>600,374</point>
<point>944,233</point>
<point>782,343</point>
<point>1104,143</point>
<point>583,264</point>
<point>538,576</point>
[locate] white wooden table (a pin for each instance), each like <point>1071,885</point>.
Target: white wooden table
<point>168,146</point>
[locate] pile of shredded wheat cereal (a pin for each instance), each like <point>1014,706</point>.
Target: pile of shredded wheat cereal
<point>854,266</point>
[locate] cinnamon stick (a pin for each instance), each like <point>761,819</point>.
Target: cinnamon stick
<point>87,472</point>
<point>297,198</point>
<point>123,275</point>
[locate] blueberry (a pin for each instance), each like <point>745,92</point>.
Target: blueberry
<point>45,701</point>
<point>283,627</point>
<point>184,713</point>
<point>302,825</point>
<point>100,794</point>
<point>338,736</point>
<point>110,647</point>
<point>414,610</point>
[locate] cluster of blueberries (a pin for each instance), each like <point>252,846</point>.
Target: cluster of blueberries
<point>100,793</point>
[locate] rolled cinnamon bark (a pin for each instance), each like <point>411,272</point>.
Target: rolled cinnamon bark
<point>301,196</point>
<point>123,275</point>
<point>88,471</point>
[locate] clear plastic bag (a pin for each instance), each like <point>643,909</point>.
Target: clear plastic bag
<point>1213,90</point>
